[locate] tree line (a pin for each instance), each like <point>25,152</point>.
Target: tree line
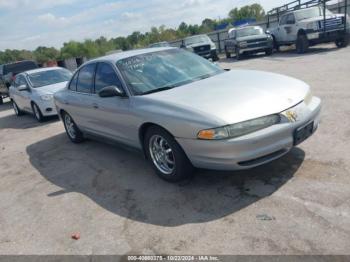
<point>94,48</point>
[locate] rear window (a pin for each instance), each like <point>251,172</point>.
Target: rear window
<point>19,67</point>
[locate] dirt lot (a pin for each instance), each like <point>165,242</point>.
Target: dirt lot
<point>299,204</point>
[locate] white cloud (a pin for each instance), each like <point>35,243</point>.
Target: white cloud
<point>45,22</point>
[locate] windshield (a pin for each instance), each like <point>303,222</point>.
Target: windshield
<point>50,77</point>
<point>196,39</point>
<point>153,72</point>
<point>311,12</point>
<point>249,31</point>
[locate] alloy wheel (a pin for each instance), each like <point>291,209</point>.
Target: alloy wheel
<point>69,126</point>
<point>162,154</point>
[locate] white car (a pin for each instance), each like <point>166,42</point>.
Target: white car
<point>32,91</point>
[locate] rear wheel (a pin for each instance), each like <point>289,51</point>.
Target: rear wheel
<point>37,113</point>
<point>166,156</point>
<point>72,130</point>
<point>18,111</point>
<point>344,42</point>
<point>302,44</point>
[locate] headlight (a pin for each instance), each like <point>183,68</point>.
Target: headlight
<point>312,26</point>
<point>242,44</point>
<point>212,46</point>
<point>46,97</point>
<point>239,129</point>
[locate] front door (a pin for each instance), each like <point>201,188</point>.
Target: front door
<point>111,117</point>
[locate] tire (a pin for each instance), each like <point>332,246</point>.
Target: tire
<point>72,130</point>
<point>18,112</point>
<point>269,51</point>
<point>166,156</point>
<point>302,44</point>
<point>238,55</point>
<point>1,100</point>
<point>228,54</point>
<point>341,43</point>
<point>275,45</point>
<point>37,113</point>
<point>215,58</point>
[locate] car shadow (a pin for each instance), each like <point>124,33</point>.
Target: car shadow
<point>5,106</point>
<point>284,53</point>
<point>23,122</point>
<point>122,182</point>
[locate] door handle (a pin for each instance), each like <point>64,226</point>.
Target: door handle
<point>94,105</point>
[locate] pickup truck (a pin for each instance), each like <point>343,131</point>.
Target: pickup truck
<point>248,40</point>
<point>201,45</point>
<point>9,71</point>
<point>310,26</point>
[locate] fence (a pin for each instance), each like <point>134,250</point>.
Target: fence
<point>219,37</point>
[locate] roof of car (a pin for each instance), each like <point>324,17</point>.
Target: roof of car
<point>43,69</point>
<point>126,54</point>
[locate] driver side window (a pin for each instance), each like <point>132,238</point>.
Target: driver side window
<point>20,81</point>
<point>106,76</point>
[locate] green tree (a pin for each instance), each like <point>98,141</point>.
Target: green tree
<point>254,11</point>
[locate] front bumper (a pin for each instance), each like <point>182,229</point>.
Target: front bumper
<point>255,49</point>
<point>208,54</point>
<point>47,107</point>
<point>252,149</point>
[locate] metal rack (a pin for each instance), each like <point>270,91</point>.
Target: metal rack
<point>299,4</point>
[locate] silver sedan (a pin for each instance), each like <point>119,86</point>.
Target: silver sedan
<point>183,111</point>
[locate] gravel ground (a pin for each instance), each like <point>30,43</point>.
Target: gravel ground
<point>299,204</point>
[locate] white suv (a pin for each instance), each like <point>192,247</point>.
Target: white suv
<point>309,26</point>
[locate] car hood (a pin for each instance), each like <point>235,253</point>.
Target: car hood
<point>199,44</point>
<point>51,89</point>
<point>319,18</point>
<point>235,96</point>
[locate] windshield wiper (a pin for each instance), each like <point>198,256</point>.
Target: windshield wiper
<point>163,88</point>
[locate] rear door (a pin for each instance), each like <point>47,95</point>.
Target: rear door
<point>79,100</point>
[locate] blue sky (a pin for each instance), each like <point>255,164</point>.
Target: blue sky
<point>26,24</point>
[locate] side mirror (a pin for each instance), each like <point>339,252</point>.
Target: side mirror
<point>23,88</point>
<point>110,91</point>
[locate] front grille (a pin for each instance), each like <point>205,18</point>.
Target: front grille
<point>331,23</point>
<point>201,49</point>
<point>257,43</point>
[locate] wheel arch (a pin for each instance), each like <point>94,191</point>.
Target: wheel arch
<point>142,131</point>
<point>301,32</point>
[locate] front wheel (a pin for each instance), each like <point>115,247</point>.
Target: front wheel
<point>37,113</point>
<point>302,44</point>
<point>166,156</point>
<point>268,52</point>
<point>344,42</point>
<point>238,54</point>
<point>18,111</point>
<point>227,53</point>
